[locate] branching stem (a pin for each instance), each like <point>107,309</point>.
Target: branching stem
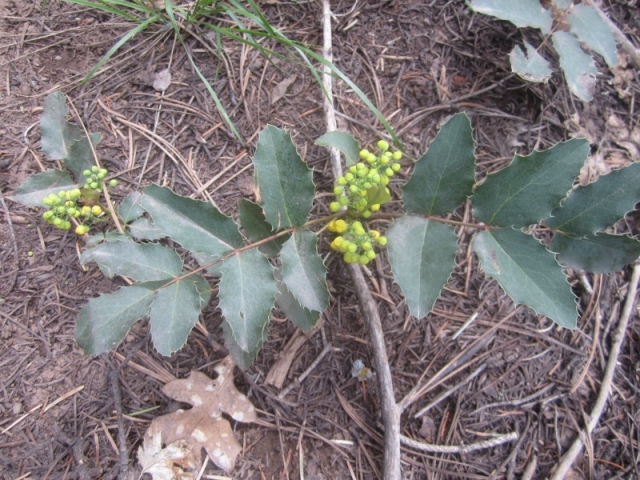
<point>237,251</point>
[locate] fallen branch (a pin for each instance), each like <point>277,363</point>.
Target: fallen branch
<point>618,336</point>
<point>390,411</point>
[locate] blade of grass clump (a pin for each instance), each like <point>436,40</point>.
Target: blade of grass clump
<point>130,34</point>
<point>305,52</point>
<point>107,6</point>
<point>212,93</point>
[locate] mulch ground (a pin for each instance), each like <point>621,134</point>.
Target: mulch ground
<point>64,415</point>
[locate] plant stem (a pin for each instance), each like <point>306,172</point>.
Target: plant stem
<point>390,410</point>
<point>478,226</point>
<point>268,239</point>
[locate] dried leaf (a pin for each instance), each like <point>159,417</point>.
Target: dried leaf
<point>174,462</point>
<point>203,426</point>
<point>281,88</point>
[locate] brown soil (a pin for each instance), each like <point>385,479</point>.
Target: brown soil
<point>65,415</point>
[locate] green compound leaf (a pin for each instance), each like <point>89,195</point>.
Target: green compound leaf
<point>130,208</point>
<point>285,181</point>
<point>256,227</point>
<point>65,141</point>
<point>303,271</point>
<point>301,317</point>
<point>175,311</point>
<point>596,206</point>
<point>527,272</point>
<point>197,226</point>
<point>80,156</point>
<point>444,176</point>
<point>242,359</point>
<point>531,66</point>
<point>247,292</point>
<point>578,66</point>
<point>522,13</point>
<point>104,321</point>
<point>344,142</point>
<point>144,229</point>
<point>422,256</point>
<point>140,262</point>
<point>587,25</point>
<point>530,187</point>
<point>602,253</point>
<point>38,186</point>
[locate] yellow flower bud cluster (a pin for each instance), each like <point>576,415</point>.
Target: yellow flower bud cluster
<point>355,187</point>
<point>361,190</point>
<point>355,244</point>
<point>67,205</point>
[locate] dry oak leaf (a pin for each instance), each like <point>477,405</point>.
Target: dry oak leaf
<point>174,462</point>
<point>203,426</point>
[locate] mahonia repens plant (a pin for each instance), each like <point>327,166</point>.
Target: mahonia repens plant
<point>270,257</point>
<point>570,27</point>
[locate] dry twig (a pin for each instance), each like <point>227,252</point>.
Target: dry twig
<point>607,381</point>
<point>390,410</point>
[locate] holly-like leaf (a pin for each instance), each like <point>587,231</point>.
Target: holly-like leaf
<point>531,66</point>
<point>596,206</point>
<point>578,66</point>
<point>243,359</point>
<point>344,142</point>
<point>587,25</point>
<point>444,176</point>
<point>285,181</point>
<point>522,13</point>
<point>104,321</point>
<point>602,253</point>
<point>256,227</point>
<point>98,238</point>
<point>144,229</point>
<point>130,208</point>
<point>80,156</point>
<point>298,315</point>
<point>197,226</point>
<point>175,311</point>
<point>247,292</point>
<point>140,262</point>
<point>303,271</point>
<point>204,426</point>
<point>38,186</point>
<point>530,187</point>
<point>527,272</point>
<point>65,141</point>
<point>422,256</point>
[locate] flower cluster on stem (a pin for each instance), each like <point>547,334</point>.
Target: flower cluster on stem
<point>78,204</point>
<point>362,190</point>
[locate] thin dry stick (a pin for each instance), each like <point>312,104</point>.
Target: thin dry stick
<point>607,381</point>
<point>472,447</point>
<point>390,411</point>
<point>450,391</point>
